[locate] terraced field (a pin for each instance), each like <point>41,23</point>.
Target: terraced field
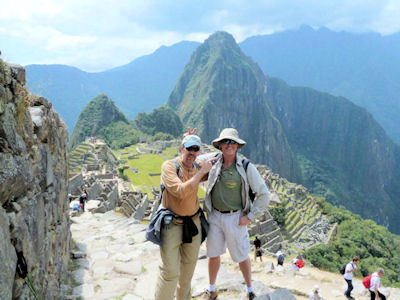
<point>142,166</point>
<point>302,210</point>
<point>82,154</point>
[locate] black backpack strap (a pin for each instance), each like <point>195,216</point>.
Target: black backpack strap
<point>177,166</point>
<point>245,163</point>
<point>196,164</point>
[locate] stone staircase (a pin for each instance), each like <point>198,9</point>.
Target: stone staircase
<point>268,231</point>
<point>138,205</point>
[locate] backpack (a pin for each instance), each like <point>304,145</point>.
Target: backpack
<point>300,263</point>
<point>281,259</point>
<point>367,281</point>
<point>245,163</point>
<point>342,270</point>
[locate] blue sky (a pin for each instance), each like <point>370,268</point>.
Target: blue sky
<point>98,35</point>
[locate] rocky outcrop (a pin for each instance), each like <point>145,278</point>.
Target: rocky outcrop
<point>33,190</point>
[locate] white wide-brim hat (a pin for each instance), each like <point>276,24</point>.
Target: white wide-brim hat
<point>229,134</point>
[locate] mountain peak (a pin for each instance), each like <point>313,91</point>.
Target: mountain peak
<point>222,87</point>
<point>219,44</point>
<point>99,112</point>
<point>220,37</point>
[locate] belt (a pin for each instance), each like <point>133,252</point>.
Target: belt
<point>226,211</point>
<point>179,221</point>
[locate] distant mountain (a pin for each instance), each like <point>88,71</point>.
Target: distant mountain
<point>221,87</point>
<point>342,152</point>
<point>364,68</point>
<point>102,118</point>
<point>97,114</point>
<point>141,85</point>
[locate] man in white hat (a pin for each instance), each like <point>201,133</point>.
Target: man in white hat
<point>182,238</point>
<point>314,294</point>
<point>230,208</point>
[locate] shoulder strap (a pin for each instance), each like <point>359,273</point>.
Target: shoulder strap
<point>178,167</point>
<point>196,164</point>
<point>245,163</point>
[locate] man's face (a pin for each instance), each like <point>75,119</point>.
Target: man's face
<point>228,147</point>
<point>189,154</point>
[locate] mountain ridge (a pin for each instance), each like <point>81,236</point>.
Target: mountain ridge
<point>201,98</point>
<point>362,67</point>
<point>343,153</point>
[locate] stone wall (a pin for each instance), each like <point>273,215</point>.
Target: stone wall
<point>75,184</point>
<point>33,190</point>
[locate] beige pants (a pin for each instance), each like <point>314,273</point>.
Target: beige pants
<point>178,262</point>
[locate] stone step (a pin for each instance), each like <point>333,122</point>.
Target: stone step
<point>125,212</point>
<point>267,226</point>
<point>265,237</point>
<point>274,244</point>
<point>131,205</point>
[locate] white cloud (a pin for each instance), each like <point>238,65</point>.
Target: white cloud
<point>95,35</point>
<point>388,20</point>
<point>25,9</point>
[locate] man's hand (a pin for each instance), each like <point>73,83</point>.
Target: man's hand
<point>205,168</point>
<point>190,132</point>
<point>244,221</point>
<point>207,165</point>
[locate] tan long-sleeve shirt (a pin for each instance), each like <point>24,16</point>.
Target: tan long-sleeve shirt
<point>179,195</point>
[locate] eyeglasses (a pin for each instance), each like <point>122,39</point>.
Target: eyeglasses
<point>193,148</point>
<point>227,142</point>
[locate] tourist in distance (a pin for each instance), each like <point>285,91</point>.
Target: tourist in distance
<point>376,285</point>
<point>314,294</point>
<point>82,201</point>
<point>294,264</point>
<point>280,258</point>
<point>181,238</point>
<point>230,208</point>
<point>351,267</point>
<point>257,249</point>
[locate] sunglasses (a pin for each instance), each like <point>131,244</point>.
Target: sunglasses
<point>227,142</point>
<point>193,148</point>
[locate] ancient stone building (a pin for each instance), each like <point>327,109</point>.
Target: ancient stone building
<point>33,191</point>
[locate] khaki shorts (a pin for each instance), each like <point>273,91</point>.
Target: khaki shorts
<point>225,232</point>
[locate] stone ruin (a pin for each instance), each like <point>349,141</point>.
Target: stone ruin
<point>138,205</point>
<point>268,232</point>
<point>34,222</point>
<point>305,225</point>
<point>102,194</point>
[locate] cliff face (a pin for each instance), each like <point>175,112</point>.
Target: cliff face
<point>33,190</point>
<point>221,87</point>
<point>357,161</point>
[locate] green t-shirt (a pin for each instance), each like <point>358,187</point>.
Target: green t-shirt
<point>226,193</point>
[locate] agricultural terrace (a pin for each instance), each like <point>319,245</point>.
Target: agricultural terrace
<point>142,166</point>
